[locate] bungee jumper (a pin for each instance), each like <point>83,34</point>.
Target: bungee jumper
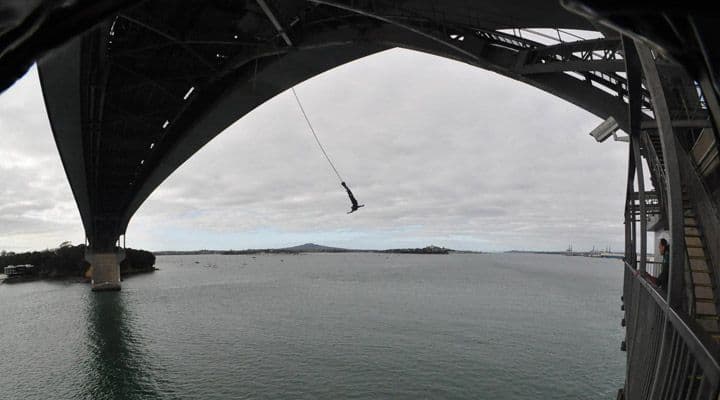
<point>355,206</point>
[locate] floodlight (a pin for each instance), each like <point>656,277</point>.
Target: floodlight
<point>605,129</point>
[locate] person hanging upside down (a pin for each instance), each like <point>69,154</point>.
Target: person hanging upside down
<point>355,205</point>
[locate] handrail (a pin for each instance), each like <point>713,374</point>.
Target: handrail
<point>697,345</point>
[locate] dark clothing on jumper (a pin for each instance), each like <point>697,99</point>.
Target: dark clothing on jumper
<point>355,205</point>
<point>662,279</point>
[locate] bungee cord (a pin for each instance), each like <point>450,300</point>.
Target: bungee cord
<point>355,206</point>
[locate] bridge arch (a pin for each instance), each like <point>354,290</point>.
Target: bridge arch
<point>490,149</point>
<point>248,80</point>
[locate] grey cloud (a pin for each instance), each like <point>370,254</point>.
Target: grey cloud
<point>440,152</point>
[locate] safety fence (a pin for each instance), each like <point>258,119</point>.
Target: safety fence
<point>666,356</point>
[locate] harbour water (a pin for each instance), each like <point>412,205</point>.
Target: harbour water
<point>322,326</point>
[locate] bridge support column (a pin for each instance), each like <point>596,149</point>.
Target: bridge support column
<point>105,269</point>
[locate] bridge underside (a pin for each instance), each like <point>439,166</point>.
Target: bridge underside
<point>139,93</point>
<point>135,97</point>
<point>148,83</point>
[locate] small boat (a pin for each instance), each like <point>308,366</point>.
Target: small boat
<point>15,273</point>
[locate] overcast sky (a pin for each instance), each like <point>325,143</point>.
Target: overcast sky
<point>440,152</point>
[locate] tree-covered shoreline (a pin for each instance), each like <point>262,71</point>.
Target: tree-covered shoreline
<point>69,262</point>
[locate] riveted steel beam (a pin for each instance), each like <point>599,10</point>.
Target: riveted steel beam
<point>672,174</point>
<point>271,16</point>
<point>573,65</point>
<point>391,21</point>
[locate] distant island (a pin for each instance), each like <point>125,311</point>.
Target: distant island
<point>68,261</point>
<point>313,248</point>
<point>432,249</point>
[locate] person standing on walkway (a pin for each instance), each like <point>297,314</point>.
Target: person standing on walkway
<point>664,249</point>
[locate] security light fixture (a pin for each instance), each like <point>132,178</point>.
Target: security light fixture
<point>606,129</point>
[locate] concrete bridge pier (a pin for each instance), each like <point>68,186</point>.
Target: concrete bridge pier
<point>105,268</point>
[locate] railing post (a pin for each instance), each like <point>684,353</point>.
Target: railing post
<point>634,76</point>
<point>643,208</point>
<point>630,257</point>
<point>672,173</point>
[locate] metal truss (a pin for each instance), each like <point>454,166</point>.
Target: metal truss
<point>604,55</point>
<point>158,74</point>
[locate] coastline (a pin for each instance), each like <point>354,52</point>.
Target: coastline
<point>68,264</point>
<point>311,248</point>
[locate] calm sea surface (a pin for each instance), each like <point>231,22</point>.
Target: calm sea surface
<point>325,326</point>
